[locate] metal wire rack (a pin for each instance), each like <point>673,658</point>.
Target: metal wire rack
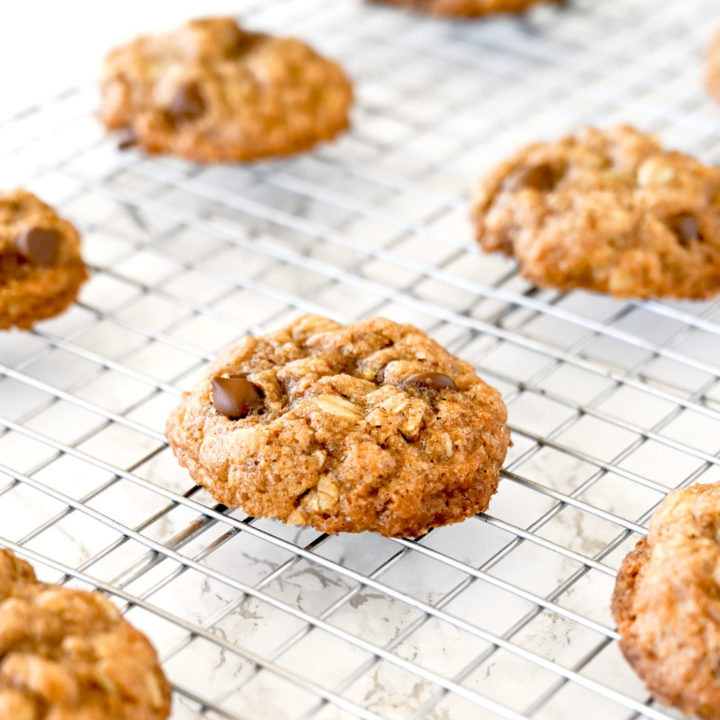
<point>611,403</point>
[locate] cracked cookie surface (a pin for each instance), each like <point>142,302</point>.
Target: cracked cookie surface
<point>69,654</point>
<point>212,92</point>
<point>41,269</point>
<point>667,604</point>
<point>368,426</point>
<point>468,8</point>
<point>609,211</point>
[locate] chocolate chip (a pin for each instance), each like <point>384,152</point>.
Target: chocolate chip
<point>541,177</point>
<point>431,381</point>
<point>246,41</point>
<point>129,141</point>
<point>685,227</point>
<point>380,376</point>
<point>187,104</point>
<point>235,396</point>
<point>11,263</point>
<point>41,246</point>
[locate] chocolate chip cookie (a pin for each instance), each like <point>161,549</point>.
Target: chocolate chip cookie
<point>212,92</point>
<point>606,210</point>
<point>41,269</point>
<point>712,75</point>
<point>468,8</point>
<point>69,655</point>
<point>368,426</point>
<point>667,602</point>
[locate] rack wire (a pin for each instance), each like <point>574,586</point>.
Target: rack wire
<point>611,403</point>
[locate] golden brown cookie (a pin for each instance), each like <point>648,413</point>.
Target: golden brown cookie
<point>69,655</point>
<point>212,92</point>
<point>609,211</point>
<point>41,269</point>
<point>712,75</point>
<point>667,602</point>
<point>368,426</point>
<point>468,8</point>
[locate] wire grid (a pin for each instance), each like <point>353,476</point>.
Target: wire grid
<point>611,403</point>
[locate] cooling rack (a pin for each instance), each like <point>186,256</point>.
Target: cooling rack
<point>611,403</point>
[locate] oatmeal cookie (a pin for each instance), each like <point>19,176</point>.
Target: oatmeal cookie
<point>41,269</point>
<point>212,92</point>
<point>368,426</point>
<point>69,655</point>
<point>667,605</point>
<point>468,8</point>
<point>609,211</point>
<point>712,76</point>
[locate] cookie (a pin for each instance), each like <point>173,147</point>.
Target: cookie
<point>609,211</point>
<point>69,655</point>
<point>667,603</point>
<point>212,92</point>
<point>712,75</point>
<point>468,8</point>
<point>368,426</point>
<point>41,269</point>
